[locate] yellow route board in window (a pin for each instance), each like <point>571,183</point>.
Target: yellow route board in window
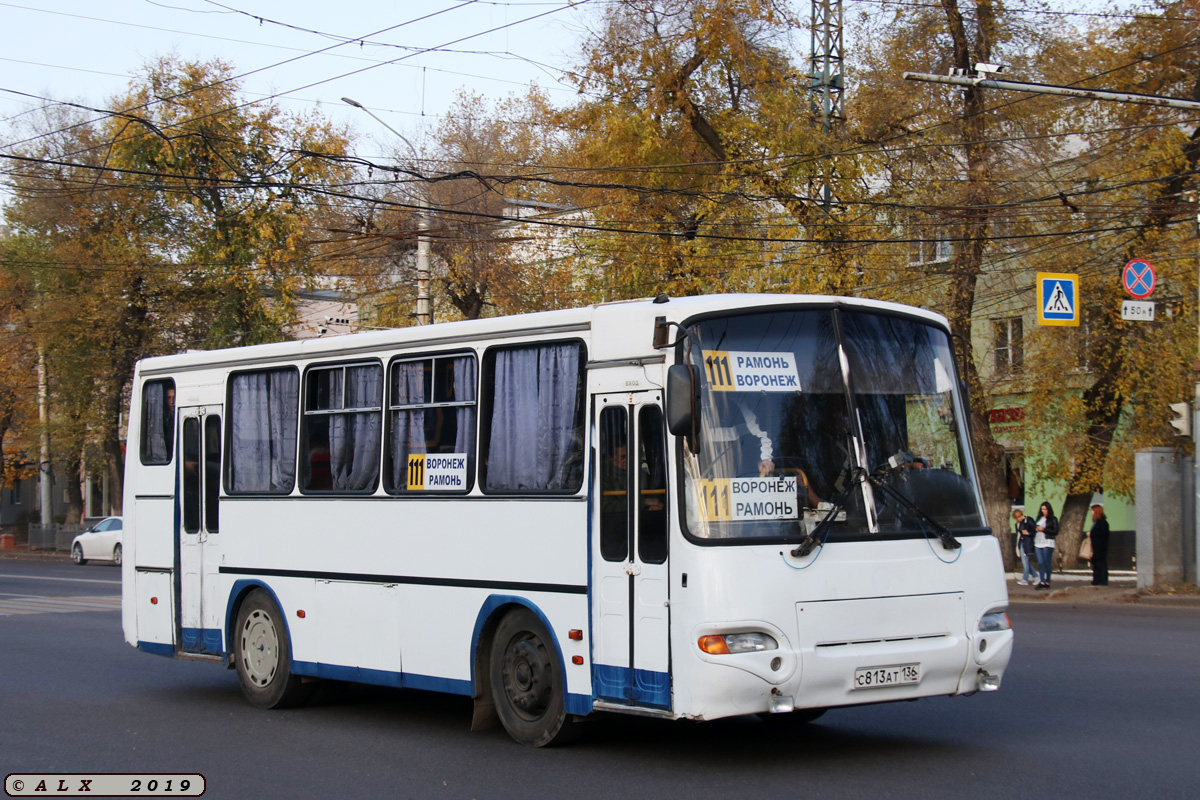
<point>740,371</point>
<point>437,471</point>
<point>747,499</point>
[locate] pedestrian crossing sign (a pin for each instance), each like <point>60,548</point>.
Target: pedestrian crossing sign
<point>1057,299</point>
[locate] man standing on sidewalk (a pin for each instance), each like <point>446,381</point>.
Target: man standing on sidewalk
<point>1099,536</point>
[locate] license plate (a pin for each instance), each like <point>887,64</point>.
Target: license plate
<point>883,677</point>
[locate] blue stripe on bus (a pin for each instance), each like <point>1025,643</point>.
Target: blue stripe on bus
<point>575,703</point>
<point>202,640</point>
<point>649,688</point>
<point>156,648</point>
<point>609,682</point>
<point>652,688</point>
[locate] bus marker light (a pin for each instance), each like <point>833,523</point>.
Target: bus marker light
<point>575,635</point>
<point>714,645</point>
<point>987,682</point>
<point>300,613</point>
<point>576,659</point>
<point>153,601</point>
<point>781,703</point>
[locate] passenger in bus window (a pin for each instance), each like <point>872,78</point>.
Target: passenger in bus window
<point>613,482</point>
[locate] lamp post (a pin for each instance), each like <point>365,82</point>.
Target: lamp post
<point>424,312</point>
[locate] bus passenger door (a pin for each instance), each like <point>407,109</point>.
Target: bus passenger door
<point>631,656</point>
<point>199,552</point>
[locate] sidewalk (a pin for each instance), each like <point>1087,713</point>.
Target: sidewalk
<point>21,552</point>
<point>1075,586</point>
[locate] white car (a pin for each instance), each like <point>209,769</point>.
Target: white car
<point>102,541</point>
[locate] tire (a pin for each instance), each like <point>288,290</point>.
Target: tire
<point>117,555</point>
<point>263,656</point>
<point>77,555</point>
<point>527,688</point>
<point>801,716</point>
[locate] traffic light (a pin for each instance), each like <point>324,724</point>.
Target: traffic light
<point>1181,419</point>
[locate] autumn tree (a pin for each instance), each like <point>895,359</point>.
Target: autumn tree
<point>1138,165</point>
<point>696,147</point>
<point>185,217</point>
<point>949,162</point>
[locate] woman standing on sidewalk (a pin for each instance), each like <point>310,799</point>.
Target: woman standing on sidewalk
<point>1043,542</point>
<point>1025,549</point>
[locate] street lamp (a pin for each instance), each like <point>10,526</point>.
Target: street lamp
<point>424,313</point>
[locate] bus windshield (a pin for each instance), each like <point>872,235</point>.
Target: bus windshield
<point>798,407</point>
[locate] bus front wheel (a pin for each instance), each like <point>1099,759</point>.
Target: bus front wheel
<point>263,656</point>
<point>527,686</point>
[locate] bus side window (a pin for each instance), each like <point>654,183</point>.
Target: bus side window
<point>212,472</point>
<point>158,421</point>
<point>431,410</point>
<point>532,420</point>
<point>263,415</point>
<point>191,475</point>
<point>614,485</point>
<point>652,486</point>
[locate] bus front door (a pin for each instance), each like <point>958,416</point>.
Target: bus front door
<point>629,552</point>
<point>199,548</point>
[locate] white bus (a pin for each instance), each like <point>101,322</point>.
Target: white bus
<point>686,508</point>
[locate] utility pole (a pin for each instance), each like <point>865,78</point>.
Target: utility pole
<point>45,473</point>
<point>826,79</point>
<point>424,309</point>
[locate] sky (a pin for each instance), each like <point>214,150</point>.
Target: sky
<point>87,51</point>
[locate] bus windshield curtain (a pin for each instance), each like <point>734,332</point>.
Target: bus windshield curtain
<point>263,423</point>
<point>533,421</point>
<point>154,445</point>
<point>408,426</point>
<point>354,437</point>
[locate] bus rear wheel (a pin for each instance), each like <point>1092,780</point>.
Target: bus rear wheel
<point>263,656</point>
<point>526,683</point>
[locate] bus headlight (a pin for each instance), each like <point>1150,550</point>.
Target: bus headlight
<point>994,621</point>
<point>724,644</point>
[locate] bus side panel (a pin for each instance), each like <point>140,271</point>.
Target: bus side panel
<point>392,585</point>
<point>155,611</point>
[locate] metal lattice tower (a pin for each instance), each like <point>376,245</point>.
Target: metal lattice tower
<point>826,79</point>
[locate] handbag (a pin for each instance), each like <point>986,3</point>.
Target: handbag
<point>1085,549</point>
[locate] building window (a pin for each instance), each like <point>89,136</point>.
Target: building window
<point>431,419</point>
<point>263,415</point>
<point>925,252</point>
<point>343,427</point>
<point>1008,348</point>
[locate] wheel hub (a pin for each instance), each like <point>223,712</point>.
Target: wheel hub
<point>527,672</point>
<point>260,648</point>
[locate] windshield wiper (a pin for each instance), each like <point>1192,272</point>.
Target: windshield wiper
<point>944,535</point>
<point>836,506</point>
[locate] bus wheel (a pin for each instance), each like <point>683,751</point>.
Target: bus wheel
<point>263,657</point>
<point>526,685</point>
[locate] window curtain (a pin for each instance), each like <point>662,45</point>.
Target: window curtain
<point>154,417</point>
<point>354,437</point>
<point>263,422</point>
<point>464,391</point>
<point>408,427</point>
<point>533,444</point>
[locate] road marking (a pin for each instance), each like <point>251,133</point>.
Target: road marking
<point>31,604</point>
<point>44,578</point>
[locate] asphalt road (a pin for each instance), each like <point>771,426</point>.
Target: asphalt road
<point>1100,701</point>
